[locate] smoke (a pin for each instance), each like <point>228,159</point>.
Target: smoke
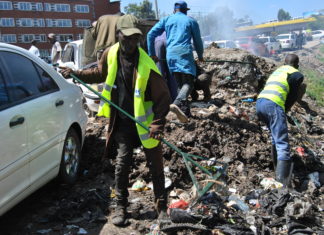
<point>218,24</point>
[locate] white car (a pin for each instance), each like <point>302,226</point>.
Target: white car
<point>226,44</point>
<point>318,34</point>
<point>42,125</point>
<point>287,41</point>
<point>72,58</point>
<point>271,43</point>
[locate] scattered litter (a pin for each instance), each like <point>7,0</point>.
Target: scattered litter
<point>181,204</point>
<point>314,177</point>
<point>300,151</point>
<point>248,100</point>
<point>135,200</point>
<point>71,226</point>
<point>154,230</point>
<point>139,185</point>
<point>82,231</point>
<point>270,183</point>
<point>237,203</point>
<point>300,209</point>
<point>44,231</point>
<point>168,182</point>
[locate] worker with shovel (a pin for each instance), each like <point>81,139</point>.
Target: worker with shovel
<point>283,88</point>
<point>134,83</point>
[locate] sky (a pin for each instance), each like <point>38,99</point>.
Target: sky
<point>258,10</point>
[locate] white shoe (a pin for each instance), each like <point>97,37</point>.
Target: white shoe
<point>180,115</point>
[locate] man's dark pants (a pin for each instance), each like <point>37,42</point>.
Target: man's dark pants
<point>185,87</point>
<point>127,139</point>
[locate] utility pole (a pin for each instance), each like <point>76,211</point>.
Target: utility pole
<point>156,10</point>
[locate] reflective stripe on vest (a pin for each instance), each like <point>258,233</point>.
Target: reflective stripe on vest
<point>143,110</point>
<point>276,88</point>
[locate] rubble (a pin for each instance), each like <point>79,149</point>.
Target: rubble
<point>226,130</point>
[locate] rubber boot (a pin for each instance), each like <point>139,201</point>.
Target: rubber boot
<point>207,95</point>
<point>161,208</point>
<point>118,217</point>
<point>274,156</point>
<point>284,171</point>
<point>194,95</point>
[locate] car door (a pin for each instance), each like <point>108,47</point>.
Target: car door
<point>43,113</point>
<point>14,158</point>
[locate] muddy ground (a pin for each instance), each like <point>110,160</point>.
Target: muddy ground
<point>226,129</point>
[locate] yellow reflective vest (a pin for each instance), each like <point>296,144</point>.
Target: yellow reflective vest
<point>276,88</point>
<point>143,110</point>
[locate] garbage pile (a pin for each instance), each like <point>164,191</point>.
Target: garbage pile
<point>247,200</point>
<point>244,197</point>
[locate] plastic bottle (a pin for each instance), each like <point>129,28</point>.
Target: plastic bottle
<point>239,203</point>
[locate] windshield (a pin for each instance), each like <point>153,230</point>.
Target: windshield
<point>283,37</point>
<point>68,54</point>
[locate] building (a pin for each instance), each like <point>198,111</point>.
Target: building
<point>25,20</point>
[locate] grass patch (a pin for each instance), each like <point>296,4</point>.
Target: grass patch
<point>321,56</point>
<point>315,84</point>
<point>322,49</point>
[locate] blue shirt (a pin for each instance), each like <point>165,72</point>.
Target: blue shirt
<point>180,29</point>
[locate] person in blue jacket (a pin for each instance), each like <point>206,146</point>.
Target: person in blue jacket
<point>180,30</point>
<point>160,51</point>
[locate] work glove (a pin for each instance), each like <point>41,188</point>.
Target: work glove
<point>156,132</point>
<point>65,71</point>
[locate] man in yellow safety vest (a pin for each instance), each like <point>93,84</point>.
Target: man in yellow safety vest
<point>134,83</point>
<point>282,89</point>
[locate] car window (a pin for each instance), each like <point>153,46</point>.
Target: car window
<point>4,97</point>
<point>68,54</point>
<point>47,80</point>
<point>283,37</point>
<point>23,78</point>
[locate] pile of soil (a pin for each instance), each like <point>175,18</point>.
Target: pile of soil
<point>225,129</point>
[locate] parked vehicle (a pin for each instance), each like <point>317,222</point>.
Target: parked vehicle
<point>253,45</point>
<point>225,44</point>
<point>72,57</point>
<point>42,125</point>
<point>272,44</point>
<point>318,34</point>
<point>287,41</point>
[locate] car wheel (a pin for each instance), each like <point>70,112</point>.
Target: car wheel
<point>71,156</point>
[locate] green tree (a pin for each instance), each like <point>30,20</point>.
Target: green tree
<point>143,10</point>
<point>318,24</point>
<point>283,15</point>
